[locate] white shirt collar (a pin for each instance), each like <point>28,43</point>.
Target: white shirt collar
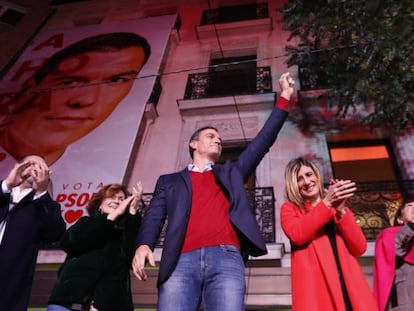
<point>193,168</point>
<point>17,194</point>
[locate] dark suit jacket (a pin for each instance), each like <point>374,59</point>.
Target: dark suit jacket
<point>29,223</point>
<point>172,198</point>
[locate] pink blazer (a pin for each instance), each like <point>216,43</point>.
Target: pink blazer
<point>384,264</point>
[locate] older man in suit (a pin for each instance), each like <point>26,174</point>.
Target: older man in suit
<point>28,217</point>
<point>211,226</point>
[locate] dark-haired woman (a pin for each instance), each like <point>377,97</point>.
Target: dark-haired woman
<point>100,248</point>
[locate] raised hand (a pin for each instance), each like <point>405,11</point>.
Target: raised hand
<point>137,196</point>
<point>120,210</point>
<point>19,173</point>
<point>286,84</point>
<point>40,174</point>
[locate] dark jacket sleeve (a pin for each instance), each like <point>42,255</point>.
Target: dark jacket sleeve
<point>4,203</point>
<point>154,217</point>
<point>52,225</point>
<point>250,158</point>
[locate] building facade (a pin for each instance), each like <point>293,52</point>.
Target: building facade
<point>220,68</point>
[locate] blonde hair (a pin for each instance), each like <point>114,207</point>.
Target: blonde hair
<point>292,192</point>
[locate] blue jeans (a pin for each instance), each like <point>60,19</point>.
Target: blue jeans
<point>211,276</point>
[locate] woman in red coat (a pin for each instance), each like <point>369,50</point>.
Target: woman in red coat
<point>325,241</point>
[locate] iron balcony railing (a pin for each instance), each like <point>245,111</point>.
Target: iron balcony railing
<point>228,83</point>
<point>376,203</point>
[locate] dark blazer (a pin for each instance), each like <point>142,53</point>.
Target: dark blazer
<point>172,198</point>
<point>29,223</point>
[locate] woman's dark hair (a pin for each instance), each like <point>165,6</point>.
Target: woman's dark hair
<point>398,214</point>
<point>107,191</point>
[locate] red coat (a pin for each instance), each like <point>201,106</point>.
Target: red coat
<point>315,281</point>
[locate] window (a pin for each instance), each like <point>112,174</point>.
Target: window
<point>236,78</point>
<point>230,76</point>
<point>372,166</point>
<point>362,161</point>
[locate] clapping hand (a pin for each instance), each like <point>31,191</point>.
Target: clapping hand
<point>136,197</point>
<point>34,171</point>
<point>339,190</point>
<point>40,176</point>
<point>19,173</point>
<point>130,202</point>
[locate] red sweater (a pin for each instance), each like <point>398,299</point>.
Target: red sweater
<point>209,222</point>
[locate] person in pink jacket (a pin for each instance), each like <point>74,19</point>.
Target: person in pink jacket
<point>325,242</point>
<point>394,262</point>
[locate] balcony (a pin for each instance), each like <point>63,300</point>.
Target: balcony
<point>218,92</point>
<point>228,83</point>
<point>375,204</point>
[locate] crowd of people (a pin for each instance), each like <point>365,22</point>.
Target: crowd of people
<point>211,232</point>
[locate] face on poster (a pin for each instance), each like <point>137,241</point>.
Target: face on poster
<point>76,97</point>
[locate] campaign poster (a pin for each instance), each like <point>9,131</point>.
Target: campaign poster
<point>76,96</point>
